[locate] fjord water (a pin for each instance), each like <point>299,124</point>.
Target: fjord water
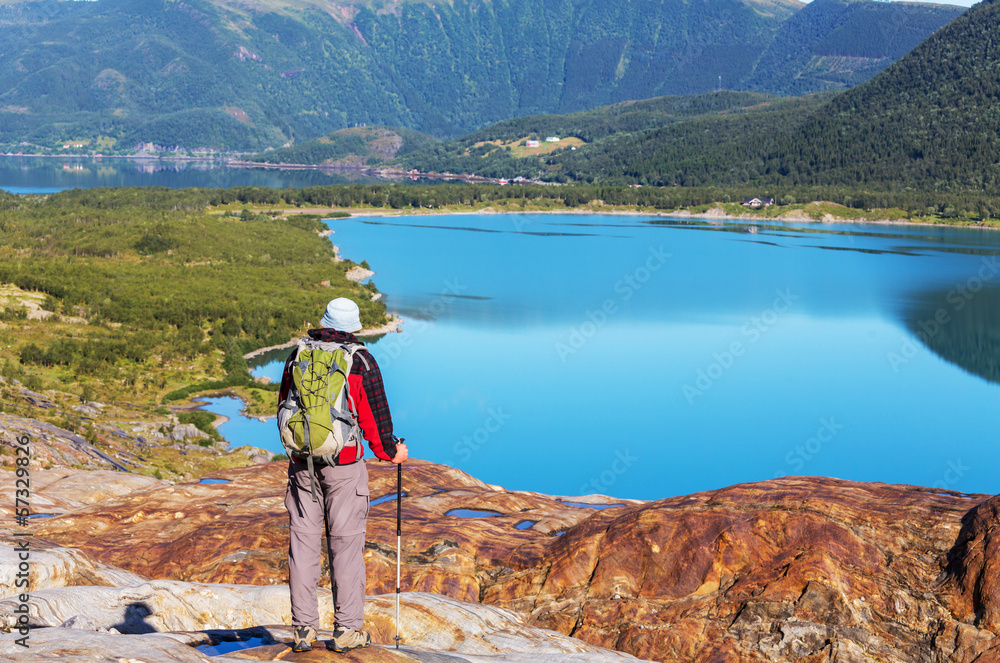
<point>644,358</point>
<point>37,175</point>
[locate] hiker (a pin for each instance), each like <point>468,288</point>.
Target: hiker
<point>332,488</point>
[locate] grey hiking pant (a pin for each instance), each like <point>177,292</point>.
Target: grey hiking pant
<point>343,491</point>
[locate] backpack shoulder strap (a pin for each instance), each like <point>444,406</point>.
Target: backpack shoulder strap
<point>356,353</point>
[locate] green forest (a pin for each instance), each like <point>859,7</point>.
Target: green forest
<point>106,76</point>
<point>837,44</point>
<point>930,122</point>
<point>665,141</point>
<point>147,278</point>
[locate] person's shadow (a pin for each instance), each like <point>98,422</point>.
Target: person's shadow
<point>134,622</point>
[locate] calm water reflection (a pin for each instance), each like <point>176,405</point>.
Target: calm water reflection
<point>50,174</point>
<point>961,325</point>
<point>579,354</point>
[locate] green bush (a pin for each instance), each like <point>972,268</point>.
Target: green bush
<point>202,421</point>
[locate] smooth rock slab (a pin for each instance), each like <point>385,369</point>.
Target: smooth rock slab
<point>55,644</point>
<point>159,606</point>
<point>427,621</point>
<point>438,623</point>
<point>387,654</point>
<point>60,490</point>
<point>795,569</point>
<point>54,566</point>
<point>238,532</point>
<point>434,629</point>
<point>66,644</point>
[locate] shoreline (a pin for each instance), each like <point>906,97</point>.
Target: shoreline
<point>372,171</point>
<point>393,324</point>
<point>790,217</point>
<point>232,161</point>
<point>221,160</point>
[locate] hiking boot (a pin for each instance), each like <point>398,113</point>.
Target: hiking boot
<point>346,639</point>
<point>303,638</point>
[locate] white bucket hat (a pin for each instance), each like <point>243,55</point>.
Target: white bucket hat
<point>343,315</point>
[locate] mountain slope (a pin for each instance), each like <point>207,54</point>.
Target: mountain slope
<point>667,140</point>
<point>351,147</point>
<point>836,44</point>
<point>931,120</point>
<point>247,75</point>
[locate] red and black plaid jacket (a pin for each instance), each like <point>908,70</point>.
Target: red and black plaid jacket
<point>368,393</point>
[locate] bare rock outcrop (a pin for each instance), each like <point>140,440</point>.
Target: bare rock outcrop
<point>53,566</point>
<point>158,606</point>
<point>66,644</point>
<point>59,490</point>
<point>972,580</point>
<point>237,531</point>
<point>794,569</point>
<point>201,613</point>
<point>56,446</point>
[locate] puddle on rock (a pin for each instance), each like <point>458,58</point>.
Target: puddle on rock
<point>229,646</point>
<point>385,498</point>
<point>472,513</point>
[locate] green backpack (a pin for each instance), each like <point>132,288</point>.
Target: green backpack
<point>318,418</point>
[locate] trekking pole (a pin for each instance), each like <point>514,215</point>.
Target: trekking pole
<point>329,555</point>
<point>399,535</point>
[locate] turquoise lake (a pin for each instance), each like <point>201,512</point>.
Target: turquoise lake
<point>644,357</point>
<point>647,357</point>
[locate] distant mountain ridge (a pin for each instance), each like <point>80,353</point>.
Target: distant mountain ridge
<point>105,76</point>
<point>928,123</point>
<point>836,44</point>
<point>931,120</point>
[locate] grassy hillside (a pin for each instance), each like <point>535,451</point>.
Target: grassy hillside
<point>114,301</point>
<point>106,76</point>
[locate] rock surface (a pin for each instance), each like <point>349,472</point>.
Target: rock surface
<point>66,644</point>
<point>793,569</point>
<point>52,445</point>
<point>158,606</point>
<point>237,532</point>
<point>125,437</point>
<point>429,624</point>
<point>53,566</point>
<point>57,491</point>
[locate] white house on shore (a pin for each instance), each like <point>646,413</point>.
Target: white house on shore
<point>757,203</point>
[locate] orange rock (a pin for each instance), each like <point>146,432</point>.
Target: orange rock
<point>793,569</point>
<point>237,532</point>
<point>781,570</point>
